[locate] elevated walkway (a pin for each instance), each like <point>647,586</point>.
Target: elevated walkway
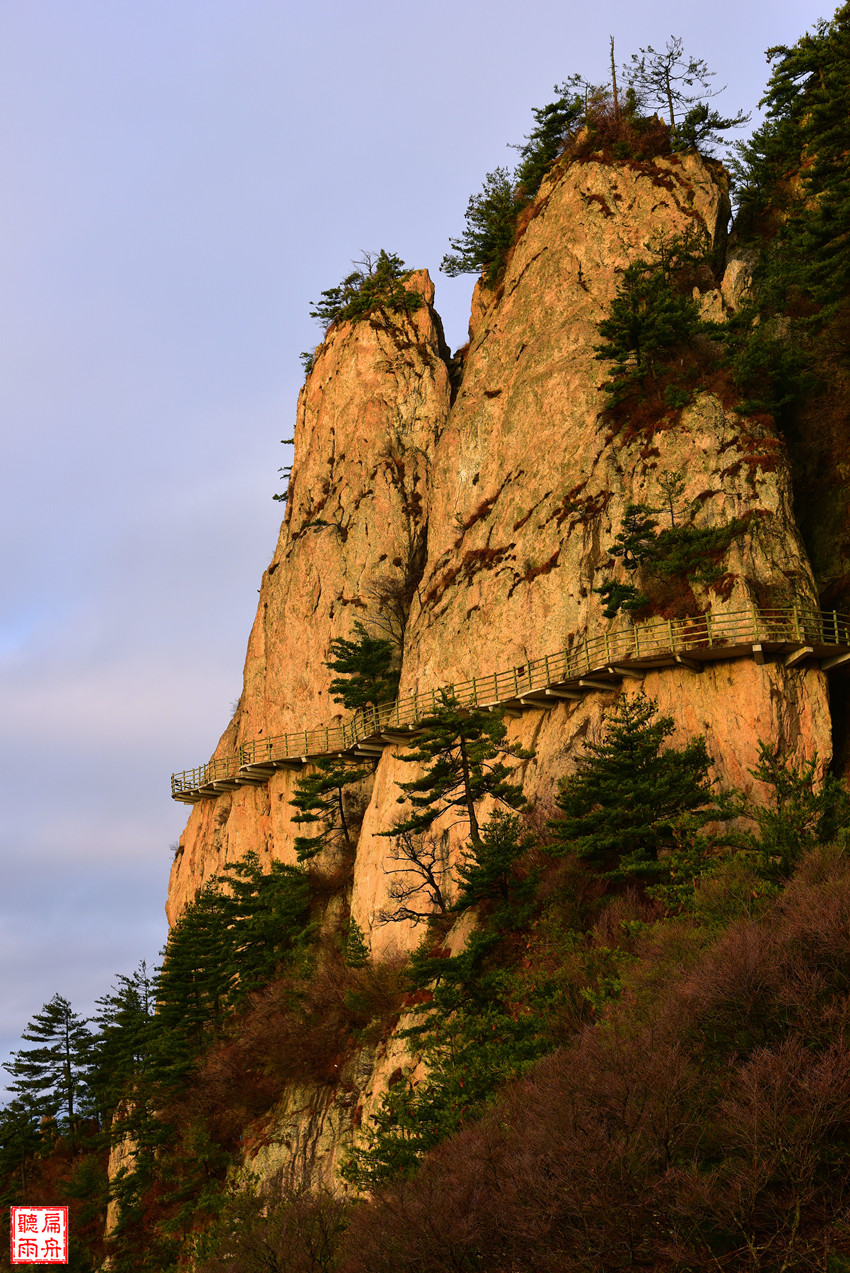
<point>792,635</point>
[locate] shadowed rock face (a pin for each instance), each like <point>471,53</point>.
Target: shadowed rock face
<point>506,500</point>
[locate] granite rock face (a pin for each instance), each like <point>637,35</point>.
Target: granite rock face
<point>366,431</point>
<point>501,495</point>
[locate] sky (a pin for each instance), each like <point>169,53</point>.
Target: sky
<point>182,178</point>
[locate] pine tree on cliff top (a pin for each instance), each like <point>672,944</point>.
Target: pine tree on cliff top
<point>377,282</point>
<point>553,124</point>
<point>488,235</point>
<point>663,78</point>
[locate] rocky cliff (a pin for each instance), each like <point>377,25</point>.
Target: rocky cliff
<point>496,490</point>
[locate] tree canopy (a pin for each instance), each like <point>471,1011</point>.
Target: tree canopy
<point>377,282</point>
<point>366,667</point>
<point>620,807</point>
<point>51,1077</point>
<point>461,749</point>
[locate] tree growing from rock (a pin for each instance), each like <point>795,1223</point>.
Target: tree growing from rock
<point>320,800</point>
<point>377,282</point>
<point>664,78</point>
<point>488,235</point>
<point>553,124</point>
<point>461,748</point>
<point>366,669</point>
<point>648,318</point>
<point>419,871</point>
<point>620,807</point>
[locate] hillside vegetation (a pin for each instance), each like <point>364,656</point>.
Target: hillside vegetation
<point>628,1015</point>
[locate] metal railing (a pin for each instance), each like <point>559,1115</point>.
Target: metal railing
<point>638,643</point>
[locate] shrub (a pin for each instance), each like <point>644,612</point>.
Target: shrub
<point>706,1126</point>
<point>261,1232</point>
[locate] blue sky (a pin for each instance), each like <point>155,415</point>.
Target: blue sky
<point>181,179</point>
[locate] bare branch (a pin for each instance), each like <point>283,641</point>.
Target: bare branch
<point>424,862</point>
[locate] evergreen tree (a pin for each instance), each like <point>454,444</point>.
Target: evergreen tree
<point>662,78</point>
<point>319,798</point>
<point>460,747</point>
<point>702,128</point>
<point>801,814</point>
<point>121,1044</point>
<point>266,916</point>
<point>378,283</point>
<point>243,925</point>
<point>822,232</point>
<point>647,318</point>
<point>355,952</point>
<point>366,676</point>
<point>471,1038</point>
<point>488,236</point>
<point>795,165</point>
<point>488,871</point>
<point>51,1077</point>
<point>635,540</point>
<point>553,125</point>
<point>192,985</point>
<point>20,1140</point>
<point>620,807</point>
<point>620,596</point>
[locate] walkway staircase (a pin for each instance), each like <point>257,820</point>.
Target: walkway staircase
<point>793,635</point>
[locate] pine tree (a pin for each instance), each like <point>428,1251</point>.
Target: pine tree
<point>243,925</point>
<point>488,236</point>
<point>554,124</point>
<point>647,317</point>
<point>319,798</point>
<point>635,540</point>
<point>620,596</point>
<point>366,676</point>
<point>191,987</point>
<point>266,918</point>
<point>823,231</point>
<point>377,283</point>
<point>20,1139</point>
<point>121,1044</point>
<point>51,1077</point>
<point>460,747</point>
<point>488,871</point>
<point>796,164</point>
<point>802,812</point>
<point>620,807</point>
<point>663,77</point>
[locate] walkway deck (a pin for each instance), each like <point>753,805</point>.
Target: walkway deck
<point>793,635</point>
